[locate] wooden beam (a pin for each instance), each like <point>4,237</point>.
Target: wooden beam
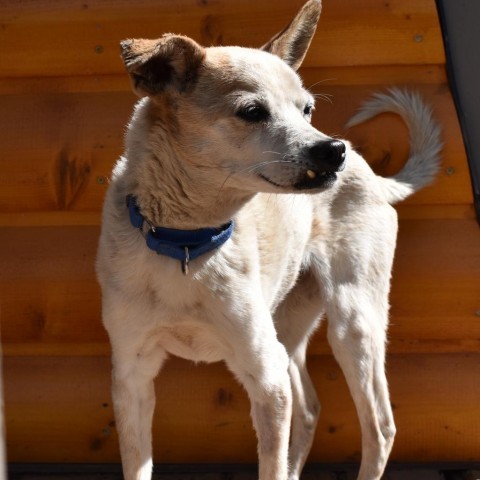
<point>68,38</point>
<point>51,300</point>
<point>75,138</point>
<point>58,409</point>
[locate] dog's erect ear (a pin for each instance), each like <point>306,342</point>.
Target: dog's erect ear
<point>154,65</point>
<point>291,44</point>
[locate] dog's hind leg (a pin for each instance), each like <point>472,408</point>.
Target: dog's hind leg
<point>305,413</point>
<point>134,402</point>
<point>357,336</point>
<point>356,283</point>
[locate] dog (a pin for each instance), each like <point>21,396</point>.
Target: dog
<point>231,226</point>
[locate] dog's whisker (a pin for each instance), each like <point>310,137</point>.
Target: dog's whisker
<point>214,167</point>
<point>260,165</point>
<point>252,168</point>
<point>275,153</point>
<point>223,185</point>
<point>320,81</point>
<point>324,96</point>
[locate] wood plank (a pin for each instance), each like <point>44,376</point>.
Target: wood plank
<point>51,301</point>
<point>373,32</point>
<point>330,471</point>
<point>74,218</point>
<point>358,75</point>
<point>51,292</point>
<point>168,472</point>
<point>74,139</point>
<point>59,410</point>
<point>381,75</point>
<point>70,84</point>
<point>80,348</point>
<point>420,212</point>
<point>72,144</point>
<point>420,281</point>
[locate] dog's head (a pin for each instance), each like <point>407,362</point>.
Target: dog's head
<point>237,115</point>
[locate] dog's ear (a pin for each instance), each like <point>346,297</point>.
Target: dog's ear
<point>291,44</point>
<point>154,65</point>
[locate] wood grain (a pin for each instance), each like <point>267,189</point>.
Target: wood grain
<point>75,218</point>
<point>58,409</point>
<point>75,138</point>
<point>51,301</point>
<point>81,38</point>
<point>381,75</point>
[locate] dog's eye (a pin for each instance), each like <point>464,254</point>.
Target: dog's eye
<point>308,110</point>
<point>253,113</point>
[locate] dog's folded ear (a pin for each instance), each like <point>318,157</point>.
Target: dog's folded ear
<point>155,65</point>
<point>291,44</point>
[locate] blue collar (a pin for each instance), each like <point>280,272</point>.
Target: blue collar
<point>183,245</point>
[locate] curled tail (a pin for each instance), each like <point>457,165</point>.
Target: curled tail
<point>424,135</point>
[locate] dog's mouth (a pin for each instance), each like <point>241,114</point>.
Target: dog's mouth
<point>312,179</point>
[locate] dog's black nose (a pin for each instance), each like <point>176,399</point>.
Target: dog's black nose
<point>330,154</point>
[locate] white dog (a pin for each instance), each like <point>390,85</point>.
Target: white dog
<point>231,226</point>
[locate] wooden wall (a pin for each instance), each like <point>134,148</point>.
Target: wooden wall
<point>64,101</point>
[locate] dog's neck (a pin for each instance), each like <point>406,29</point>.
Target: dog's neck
<point>169,191</point>
<point>182,207</point>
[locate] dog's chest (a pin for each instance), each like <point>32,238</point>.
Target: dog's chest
<point>283,227</point>
<point>190,340</point>
<point>174,311</point>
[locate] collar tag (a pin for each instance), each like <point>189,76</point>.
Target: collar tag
<point>185,262</point>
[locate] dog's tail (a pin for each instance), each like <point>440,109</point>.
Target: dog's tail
<point>425,142</point>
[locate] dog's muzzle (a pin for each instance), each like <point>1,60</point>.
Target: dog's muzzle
<point>324,160</point>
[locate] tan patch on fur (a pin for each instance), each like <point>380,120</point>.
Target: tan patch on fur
<point>155,64</point>
<point>318,228</point>
<point>182,337</point>
<point>219,59</point>
<point>266,439</point>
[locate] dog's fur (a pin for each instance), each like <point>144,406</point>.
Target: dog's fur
<point>223,133</point>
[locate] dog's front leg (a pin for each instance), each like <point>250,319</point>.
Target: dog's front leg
<point>260,362</point>
<point>134,402</point>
